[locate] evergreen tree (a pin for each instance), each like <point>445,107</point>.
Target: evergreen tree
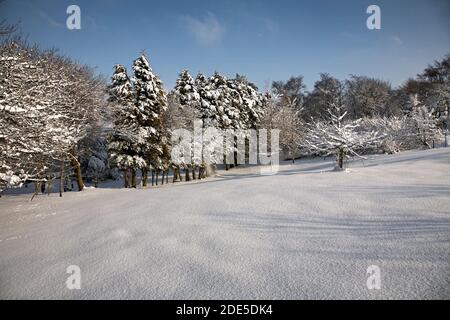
<point>206,108</point>
<point>225,112</point>
<point>186,89</point>
<point>151,102</point>
<point>251,103</point>
<point>210,110</point>
<point>124,145</point>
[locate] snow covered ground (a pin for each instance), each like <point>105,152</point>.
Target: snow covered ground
<point>305,233</point>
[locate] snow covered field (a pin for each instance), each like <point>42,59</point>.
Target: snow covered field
<point>305,233</point>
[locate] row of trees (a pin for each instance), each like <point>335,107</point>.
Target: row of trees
<point>145,116</point>
<point>58,118</point>
<point>217,102</point>
<point>359,115</point>
<point>369,97</point>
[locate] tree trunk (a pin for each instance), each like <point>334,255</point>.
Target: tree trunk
<point>194,177</point>
<point>133,178</point>
<point>235,154</point>
<point>43,183</point>
<point>179,173</point>
<point>144,177</point>
<point>36,189</point>
<point>162,177</point>
<point>340,159</point>
<point>153,178</point>
<point>61,179</point>
<point>49,184</point>
<point>156,176</point>
<point>247,151</point>
<point>186,173</point>
<point>126,183</point>
<point>77,172</point>
<point>175,176</point>
<point>167,176</point>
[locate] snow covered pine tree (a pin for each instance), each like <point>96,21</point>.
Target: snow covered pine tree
<point>123,144</point>
<point>151,103</point>
<point>189,98</point>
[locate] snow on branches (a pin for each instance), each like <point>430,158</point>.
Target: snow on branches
<point>151,101</point>
<point>138,141</point>
<point>338,137</point>
<point>47,104</point>
<point>186,90</point>
<point>424,123</point>
<point>126,142</point>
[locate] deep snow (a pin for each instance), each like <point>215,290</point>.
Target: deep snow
<point>304,233</point>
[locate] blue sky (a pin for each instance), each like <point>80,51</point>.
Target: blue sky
<point>265,40</point>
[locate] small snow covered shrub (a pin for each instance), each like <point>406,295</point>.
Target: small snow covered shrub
<point>396,132</point>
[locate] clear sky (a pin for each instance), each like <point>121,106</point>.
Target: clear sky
<point>264,40</point>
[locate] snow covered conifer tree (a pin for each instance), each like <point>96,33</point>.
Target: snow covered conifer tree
<point>206,113</point>
<point>189,99</point>
<point>219,97</point>
<point>246,108</point>
<point>151,102</point>
<point>225,113</point>
<point>210,110</point>
<point>209,95</point>
<point>121,89</point>
<point>122,146</point>
<point>254,103</point>
<point>186,89</point>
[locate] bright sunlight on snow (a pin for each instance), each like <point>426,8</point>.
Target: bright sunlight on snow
<point>306,232</point>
